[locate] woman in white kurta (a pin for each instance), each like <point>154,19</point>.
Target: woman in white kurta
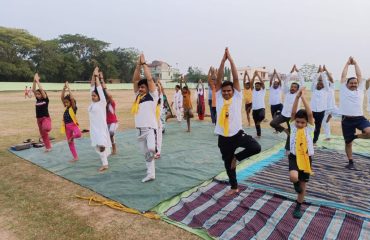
<point>99,134</point>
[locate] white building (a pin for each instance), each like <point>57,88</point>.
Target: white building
<point>263,71</point>
<point>163,71</point>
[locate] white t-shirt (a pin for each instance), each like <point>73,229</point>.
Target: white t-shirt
<point>309,134</point>
<point>275,95</point>
<point>258,99</point>
<point>146,116</point>
<point>235,113</point>
<point>177,100</point>
<point>319,98</point>
<point>288,104</point>
<point>351,102</point>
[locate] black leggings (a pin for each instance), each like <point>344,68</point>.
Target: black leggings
<point>228,145</point>
<point>318,116</point>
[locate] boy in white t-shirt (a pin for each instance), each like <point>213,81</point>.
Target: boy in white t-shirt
<point>144,109</point>
<point>258,102</point>
<point>229,123</point>
<point>301,149</point>
<point>351,99</point>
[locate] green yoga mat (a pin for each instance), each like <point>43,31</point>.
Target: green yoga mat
<point>188,159</point>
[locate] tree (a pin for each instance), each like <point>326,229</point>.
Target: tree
<point>16,50</point>
<point>194,74</point>
<point>126,63</point>
<point>307,70</point>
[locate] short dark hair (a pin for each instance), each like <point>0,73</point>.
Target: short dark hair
<point>177,86</point>
<point>296,84</point>
<point>143,81</point>
<point>351,78</point>
<point>302,113</point>
<point>96,92</point>
<point>227,83</point>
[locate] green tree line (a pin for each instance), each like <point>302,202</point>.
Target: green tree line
<point>68,57</point>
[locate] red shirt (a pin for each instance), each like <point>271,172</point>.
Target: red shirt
<point>111,113</point>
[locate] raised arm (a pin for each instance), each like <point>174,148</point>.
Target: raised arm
<point>161,88</point>
<point>103,84</point>
<point>210,75</point>
<point>251,83</point>
<point>343,78</point>
<point>136,76</point>
<point>246,78</point>
<point>63,92</point>
<point>34,84</point>
<point>278,78</point>
<point>358,71</point>
<point>234,71</point>
<point>367,83</point>
<point>73,102</point>
<point>37,78</point>
<point>330,76</point>
<point>220,72</point>
<point>272,77</point>
<point>308,108</point>
<point>147,74</point>
<point>261,81</point>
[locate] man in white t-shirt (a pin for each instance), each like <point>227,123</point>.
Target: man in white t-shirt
<point>177,101</point>
<point>332,109</point>
<point>258,102</point>
<point>319,100</point>
<point>144,109</point>
<point>290,94</point>
<point>351,99</point>
<point>275,95</point>
<point>229,123</point>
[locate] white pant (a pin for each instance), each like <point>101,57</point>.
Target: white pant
<point>159,137</point>
<point>179,114</point>
<point>147,146</point>
<point>104,155</point>
<point>326,125</point>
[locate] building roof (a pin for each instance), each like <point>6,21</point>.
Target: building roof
<point>157,63</point>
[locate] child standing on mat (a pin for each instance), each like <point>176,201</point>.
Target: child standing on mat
<point>99,134</point>
<point>42,112</point>
<point>144,109</point>
<point>112,120</point>
<point>301,149</point>
<point>188,107</point>
<point>229,123</point>
<point>69,122</point>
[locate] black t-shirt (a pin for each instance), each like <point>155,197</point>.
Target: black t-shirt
<point>42,106</point>
<point>67,117</point>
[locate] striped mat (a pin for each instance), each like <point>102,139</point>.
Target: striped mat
<point>257,214</point>
<point>331,181</point>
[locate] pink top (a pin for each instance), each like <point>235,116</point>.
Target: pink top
<point>111,113</point>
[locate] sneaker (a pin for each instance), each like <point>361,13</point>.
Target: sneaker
<point>147,179</point>
<point>297,187</point>
<point>350,166</point>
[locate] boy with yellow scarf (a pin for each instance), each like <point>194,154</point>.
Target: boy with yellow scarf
<point>301,149</point>
<point>229,129</point>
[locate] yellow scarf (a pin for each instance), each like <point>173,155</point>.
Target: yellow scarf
<point>303,160</point>
<point>158,111</point>
<point>74,119</point>
<point>135,106</point>
<point>224,116</point>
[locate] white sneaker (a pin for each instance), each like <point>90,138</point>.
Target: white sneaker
<point>147,179</point>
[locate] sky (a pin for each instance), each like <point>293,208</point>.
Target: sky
<point>271,33</point>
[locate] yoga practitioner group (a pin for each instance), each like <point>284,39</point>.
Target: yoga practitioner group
<point>225,101</point>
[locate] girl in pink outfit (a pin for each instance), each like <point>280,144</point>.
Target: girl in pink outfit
<point>69,123</point>
<point>42,112</point>
<point>112,120</point>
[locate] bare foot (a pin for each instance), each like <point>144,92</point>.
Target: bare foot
<point>157,156</point>
<point>276,132</point>
<point>47,150</point>
<point>315,144</point>
<point>232,192</point>
<point>287,152</point>
<point>103,168</point>
<point>233,163</point>
<point>70,140</point>
<point>257,137</point>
